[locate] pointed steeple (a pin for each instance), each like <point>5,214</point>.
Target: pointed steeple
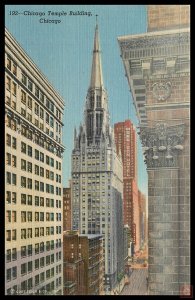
<point>96,70</point>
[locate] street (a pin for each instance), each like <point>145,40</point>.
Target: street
<point>138,283</point>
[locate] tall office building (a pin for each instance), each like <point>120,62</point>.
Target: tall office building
<point>126,144</point>
<point>97,185</point>
<point>33,186</point>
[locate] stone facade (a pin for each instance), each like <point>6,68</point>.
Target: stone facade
<point>157,68</point>
<point>33,177</point>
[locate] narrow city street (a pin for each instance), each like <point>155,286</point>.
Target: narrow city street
<point>137,283</point>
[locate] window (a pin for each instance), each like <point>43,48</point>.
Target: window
<point>29,215</point>
<point>8,83</point>
<point>8,216</point>
<point>23,181</point>
<point>23,268</point>
<point>14,234</point>
<point>23,199</point>
<point>29,199</point>
<point>30,266</point>
<point>41,157</point>
<point>41,171</point>
<point>37,279</point>
<point>23,96</point>
<point>41,113</point>
<point>30,85</point>
<point>14,88</point>
<point>36,154</point>
<point>36,91</point>
<point>36,185</point>
<point>8,255</point>
<point>29,232</point>
<point>36,109</point>
<point>51,121</point>
<point>24,286</point>
<point>30,284</point>
<point>36,248</point>
<point>24,79</point>
<point>47,118</point>
<point>42,277</point>
<point>41,216</point>
<point>30,247</point>
<point>29,102</point>
<point>13,161</point>
<point>23,147</point>
<point>8,140</point>
<point>47,248</point>
<point>41,186</point>
<point>9,63</point>
<point>29,183</point>
<point>23,216</point>
<point>23,233</point>
<point>8,235</point>
<point>41,202</point>
<point>14,69</point>
<point>36,170</point>
<point>23,164</point>
<point>48,260</point>
<point>36,232</point>
<point>8,159</point>
<point>29,151</point>
<point>13,142</point>
<point>23,251</point>
<point>8,178</point>
<point>42,231</point>
<point>42,262</point>
<point>14,179</point>
<point>29,167</point>
<point>42,250</point>
<point>13,216</point>
<point>36,216</point>
<point>42,97</point>
<point>9,274</point>
<point>14,254</point>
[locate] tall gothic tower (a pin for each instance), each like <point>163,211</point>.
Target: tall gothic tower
<point>97,174</point>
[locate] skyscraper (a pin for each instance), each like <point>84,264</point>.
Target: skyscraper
<point>126,144</point>
<point>97,185</point>
<point>33,181</point>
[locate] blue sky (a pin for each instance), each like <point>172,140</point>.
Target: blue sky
<point>63,52</point>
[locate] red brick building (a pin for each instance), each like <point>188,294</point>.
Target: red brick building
<point>66,209</point>
<point>125,140</point>
<point>83,264</point>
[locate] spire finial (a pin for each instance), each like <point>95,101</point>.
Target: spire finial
<point>96,16</point>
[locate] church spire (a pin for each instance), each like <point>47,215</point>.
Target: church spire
<point>96,70</point>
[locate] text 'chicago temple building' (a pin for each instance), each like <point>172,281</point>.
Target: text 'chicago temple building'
<point>157,68</point>
<point>97,174</point>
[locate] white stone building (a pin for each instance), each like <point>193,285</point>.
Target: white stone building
<point>33,177</point>
<point>97,174</point>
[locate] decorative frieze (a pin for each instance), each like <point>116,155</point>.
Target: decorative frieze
<point>161,90</point>
<point>161,144</point>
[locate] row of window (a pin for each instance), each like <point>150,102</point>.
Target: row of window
<point>11,254</point>
<point>28,268</point>
<point>26,81</point>
<point>26,132</point>
<point>26,216</point>
<point>26,233</point>
<point>11,178</point>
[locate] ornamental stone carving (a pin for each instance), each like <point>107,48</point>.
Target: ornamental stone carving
<point>156,41</point>
<point>162,144</point>
<point>161,90</point>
